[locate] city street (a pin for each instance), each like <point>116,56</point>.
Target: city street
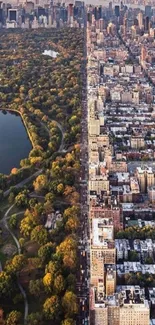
<point>83,248</point>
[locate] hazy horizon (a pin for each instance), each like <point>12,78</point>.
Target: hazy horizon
<point>87,2</point>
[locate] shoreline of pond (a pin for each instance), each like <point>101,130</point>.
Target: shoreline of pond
<point>24,145</point>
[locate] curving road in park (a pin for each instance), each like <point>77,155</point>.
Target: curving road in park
<point>5,223</point>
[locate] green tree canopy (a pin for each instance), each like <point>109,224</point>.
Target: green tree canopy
<point>14,318</point>
<point>40,235</point>
<point>13,221</point>
<point>35,319</point>
<point>40,183</point>
<point>51,308</point>
<point>6,285</point>
<point>68,321</point>
<point>21,199</point>
<point>59,284</point>
<point>46,251</point>
<point>36,287</point>
<point>69,303</point>
<point>52,267</point>
<point>16,264</point>
<point>68,250</point>
<point>48,281</point>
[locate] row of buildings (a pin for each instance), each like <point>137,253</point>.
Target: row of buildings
<point>143,248</point>
<point>121,139</point>
<point>36,14</point>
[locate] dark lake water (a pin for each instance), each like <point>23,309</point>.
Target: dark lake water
<point>14,142</point>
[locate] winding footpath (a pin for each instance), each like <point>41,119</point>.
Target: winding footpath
<point>4,221</point>
<point>25,181</point>
<point>61,148</point>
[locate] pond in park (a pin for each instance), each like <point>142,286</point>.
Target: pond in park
<point>14,141</point>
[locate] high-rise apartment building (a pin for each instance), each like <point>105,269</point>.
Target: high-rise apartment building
<point>146,178</point>
<point>1,16</point>
<point>143,53</point>
<point>140,20</point>
<point>110,280</point>
<point>113,213</point>
<point>148,11</point>
<point>99,184</point>
<point>134,308</point>
<point>94,127</point>
<point>13,15</point>
<point>137,142</point>
<point>70,14</point>
<point>102,252</point>
<point>117,11</point>
<point>151,194</point>
<point>127,307</point>
<point>146,24</point>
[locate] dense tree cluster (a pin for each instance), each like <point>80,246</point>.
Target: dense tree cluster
<point>42,89</point>
<point>54,288</point>
<point>45,89</point>
<point>144,280</point>
<point>136,233</point>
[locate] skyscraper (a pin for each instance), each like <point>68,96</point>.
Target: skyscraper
<point>140,20</point>
<point>117,11</point>
<point>13,14</point>
<point>70,14</point>
<point>146,24</point>
<point>148,11</point>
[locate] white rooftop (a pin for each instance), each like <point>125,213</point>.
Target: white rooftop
<point>102,230</point>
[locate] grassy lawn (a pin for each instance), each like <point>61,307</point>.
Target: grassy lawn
<point>15,210</point>
<point>3,258</point>
<point>31,248</point>
<point>8,305</point>
<point>16,230</point>
<point>4,205</point>
<point>34,304</point>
